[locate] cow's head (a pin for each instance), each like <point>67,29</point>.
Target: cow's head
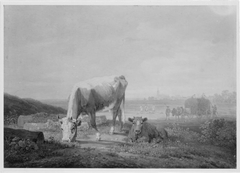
<point>137,124</point>
<point>69,128</point>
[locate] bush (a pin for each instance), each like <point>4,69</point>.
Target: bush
<point>185,135</point>
<point>19,150</point>
<point>219,132</point>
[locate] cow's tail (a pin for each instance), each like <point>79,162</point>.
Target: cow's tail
<point>123,109</point>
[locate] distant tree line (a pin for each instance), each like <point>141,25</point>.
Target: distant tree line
<point>225,97</point>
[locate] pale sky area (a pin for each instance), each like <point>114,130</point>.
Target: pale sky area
<point>180,50</point>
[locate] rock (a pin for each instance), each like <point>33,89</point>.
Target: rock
<point>15,139</point>
<point>49,125</point>
<point>98,136</point>
<point>99,119</point>
<point>24,134</point>
<point>85,118</point>
<point>22,144</point>
<point>16,147</point>
<point>12,143</point>
<point>35,126</point>
<point>22,119</point>
<point>84,126</point>
<point>35,147</point>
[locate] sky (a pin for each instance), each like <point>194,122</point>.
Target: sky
<point>178,50</point>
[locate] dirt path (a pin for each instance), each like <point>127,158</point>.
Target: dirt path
<point>89,153</point>
<point>106,140</point>
<point>98,154</point>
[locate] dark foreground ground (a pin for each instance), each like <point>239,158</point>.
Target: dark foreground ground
<point>182,150</point>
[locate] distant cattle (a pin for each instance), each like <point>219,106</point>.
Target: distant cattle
<point>147,109</point>
<point>174,112</point>
<point>179,112</point>
<point>87,97</point>
<point>142,131</point>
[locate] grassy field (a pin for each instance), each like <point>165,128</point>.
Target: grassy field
<point>188,146</point>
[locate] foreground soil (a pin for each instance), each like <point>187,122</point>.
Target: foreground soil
<point>89,153</point>
<point>182,150</point>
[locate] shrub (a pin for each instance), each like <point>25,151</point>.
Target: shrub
<point>182,134</point>
<point>19,150</point>
<point>219,132</point>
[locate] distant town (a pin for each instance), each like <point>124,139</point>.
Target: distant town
<point>224,97</point>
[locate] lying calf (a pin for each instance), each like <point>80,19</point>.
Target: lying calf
<point>141,131</point>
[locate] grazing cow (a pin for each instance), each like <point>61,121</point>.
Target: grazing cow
<point>87,97</point>
<point>141,131</point>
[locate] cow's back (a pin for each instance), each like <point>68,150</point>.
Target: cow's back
<point>149,130</point>
<point>98,92</point>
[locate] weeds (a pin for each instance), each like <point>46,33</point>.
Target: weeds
<point>176,133</point>
<point>219,132</point>
<point>46,149</point>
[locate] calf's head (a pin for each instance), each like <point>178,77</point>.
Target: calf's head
<point>137,124</point>
<point>69,128</point>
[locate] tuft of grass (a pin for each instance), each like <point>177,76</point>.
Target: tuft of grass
<point>183,145</point>
<point>46,149</point>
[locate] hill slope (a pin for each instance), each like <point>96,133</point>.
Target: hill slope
<point>62,103</point>
<point>15,106</point>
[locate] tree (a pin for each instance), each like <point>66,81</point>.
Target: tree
<point>225,95</point>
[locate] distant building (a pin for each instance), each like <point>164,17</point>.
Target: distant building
<point>161,96</point>
<point>158,95</point>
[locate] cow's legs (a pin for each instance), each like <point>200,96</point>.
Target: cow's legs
<point>93,124</point>
<point>122,111</point>
<point>114,114</point>
<point>119,114</point>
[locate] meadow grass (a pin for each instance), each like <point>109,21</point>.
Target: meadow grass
<point>45,149</point>
<point>183,144</point>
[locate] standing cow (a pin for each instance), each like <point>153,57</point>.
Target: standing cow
<point>141,131</point>
<point>90,96</point>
